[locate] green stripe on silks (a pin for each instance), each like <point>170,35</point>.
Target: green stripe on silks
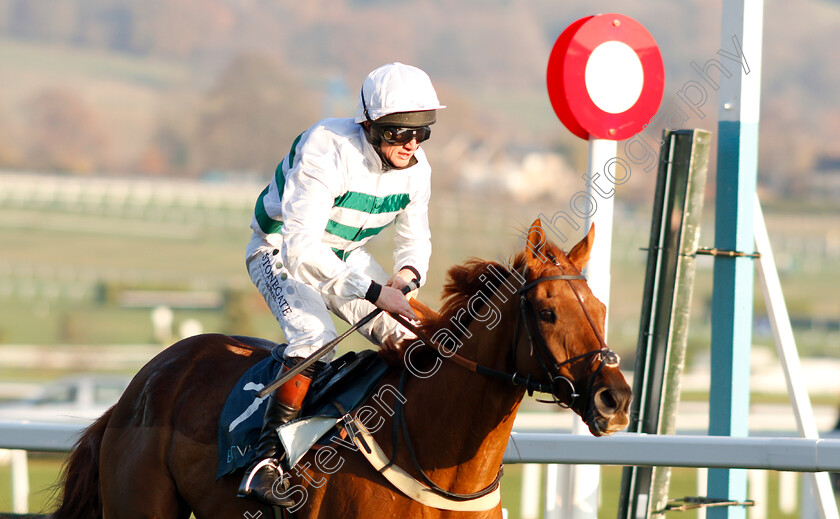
<point>342,254</point>
<point>293,151</point>
<point>268,224</point>
<point>372,204</point>
<point>349,233</point>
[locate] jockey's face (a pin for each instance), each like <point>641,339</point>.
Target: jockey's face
<point>399,155</point>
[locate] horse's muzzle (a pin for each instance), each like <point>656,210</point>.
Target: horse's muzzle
<point>608,411</point>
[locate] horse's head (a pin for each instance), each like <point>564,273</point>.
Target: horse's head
<point>564,323</point>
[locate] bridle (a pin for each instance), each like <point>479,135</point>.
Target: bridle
<point>605,357</point>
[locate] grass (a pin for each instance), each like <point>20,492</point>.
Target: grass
<point>43,475</point>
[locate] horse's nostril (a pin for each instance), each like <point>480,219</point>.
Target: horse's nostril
<point>608,399</point>
<point>605,401</point>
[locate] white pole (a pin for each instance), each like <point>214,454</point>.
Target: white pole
<point>787,492</point>
<point>732,295</point>
<point>789,356</point>
<point>757,485</point>
<point>579,492</point>
<point>529,507</point>
<point>702,487</point>
<point>20,482</point>
<point>810,501</point>
<point>552,491</point>
<point>601,190</point>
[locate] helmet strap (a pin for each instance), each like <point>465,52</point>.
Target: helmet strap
<point>364,105</point>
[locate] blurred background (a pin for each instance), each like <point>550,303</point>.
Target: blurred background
<point>135,137</point>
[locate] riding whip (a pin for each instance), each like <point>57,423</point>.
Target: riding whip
<point>320,352</point>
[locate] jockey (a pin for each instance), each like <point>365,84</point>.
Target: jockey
<point>343,181</point>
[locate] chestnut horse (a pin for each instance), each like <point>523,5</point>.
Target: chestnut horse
<point>503,330</point>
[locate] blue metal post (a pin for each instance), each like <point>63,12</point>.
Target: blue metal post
<point>732,300</point>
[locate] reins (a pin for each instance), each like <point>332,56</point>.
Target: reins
<point>401,425</point>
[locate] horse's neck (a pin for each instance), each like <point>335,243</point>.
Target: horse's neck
<point>462,420</point>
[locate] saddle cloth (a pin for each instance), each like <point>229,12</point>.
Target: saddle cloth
<point>338,390</point>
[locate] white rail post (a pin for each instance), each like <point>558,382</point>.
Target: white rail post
<point>529,507</point>
<point>757,486</point>
<point>787,492</point>
<point>20,482</point>
<point>702,488</point>
<point>552,491</point>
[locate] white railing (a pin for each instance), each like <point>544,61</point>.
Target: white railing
<point>762,453</point>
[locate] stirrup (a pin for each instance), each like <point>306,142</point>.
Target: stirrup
<point>269,495</point>
<point>245,488</point>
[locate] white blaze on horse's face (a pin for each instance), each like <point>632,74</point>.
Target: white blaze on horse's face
<point>570,321</point>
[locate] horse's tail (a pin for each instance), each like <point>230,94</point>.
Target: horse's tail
<point>78,495</point>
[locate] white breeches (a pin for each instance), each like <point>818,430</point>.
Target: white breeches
<point>304,313</point>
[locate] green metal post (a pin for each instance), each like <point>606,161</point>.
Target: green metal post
<point>660,355</point>
<point>691,154</point>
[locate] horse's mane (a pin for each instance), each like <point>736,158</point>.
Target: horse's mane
<point>463,282</point>
<point>474,275</point>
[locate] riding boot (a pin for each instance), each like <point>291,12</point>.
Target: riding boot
<point>263,480</point>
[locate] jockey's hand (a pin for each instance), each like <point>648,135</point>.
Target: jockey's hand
<point>392,300</point>
<point>400,280</point>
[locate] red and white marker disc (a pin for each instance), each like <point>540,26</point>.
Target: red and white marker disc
<point>605,77</point>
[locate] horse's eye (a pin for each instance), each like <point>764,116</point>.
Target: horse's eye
<point>547,315</point>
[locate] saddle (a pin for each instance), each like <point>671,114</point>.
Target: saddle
<point>342,387</point>
<point>333,406</point>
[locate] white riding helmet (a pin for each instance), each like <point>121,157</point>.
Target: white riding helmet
<point>396,88</point>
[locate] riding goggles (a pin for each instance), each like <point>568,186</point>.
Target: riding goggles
<point>400,136</point>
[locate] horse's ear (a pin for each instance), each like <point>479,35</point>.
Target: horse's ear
<point>579,255</point>
<point>535,243</point>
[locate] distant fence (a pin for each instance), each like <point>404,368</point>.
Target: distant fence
<point>82,193</point>
<point>223,203</point>
<point>174,209</point>
<point>228,204</point>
